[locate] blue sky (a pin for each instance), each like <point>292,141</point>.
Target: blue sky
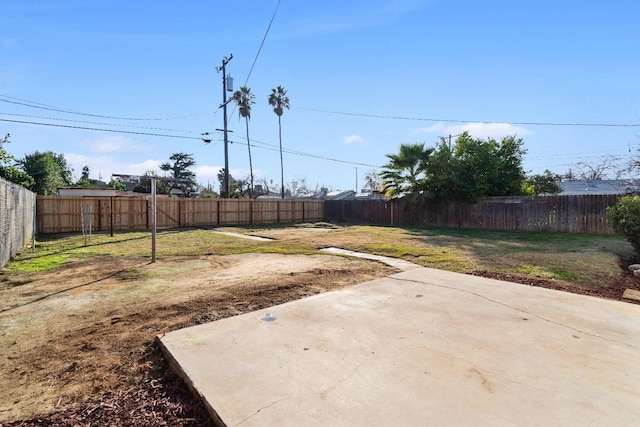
<point>362,76</point>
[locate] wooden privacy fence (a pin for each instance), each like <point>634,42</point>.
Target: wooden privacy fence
<point>557,214</point>
<point>68,214</point>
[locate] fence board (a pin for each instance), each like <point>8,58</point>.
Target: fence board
<point>63,214</point>
<point>568,214</point>
<point>572,214</point>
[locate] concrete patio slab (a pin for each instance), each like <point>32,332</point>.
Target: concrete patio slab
<point>421,347</point>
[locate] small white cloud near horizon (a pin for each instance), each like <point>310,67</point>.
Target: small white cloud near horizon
<point>476,130</point>
<point>104,166</point>
<point>353,139</point>
<point>208,174</point>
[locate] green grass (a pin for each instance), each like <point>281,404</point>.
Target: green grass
<point>36,264</point>
<point>586,260</point>
<point>582,259</point>
<point>53,251</point>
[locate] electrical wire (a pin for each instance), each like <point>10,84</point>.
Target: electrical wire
<point>31,104</point>
<point>95,123</point>
<point>262,43</point>
<point>378,116</point>
<point>266,146</point>
<point>99,129</point>
<point>264,38</point>
<point>273,147</point>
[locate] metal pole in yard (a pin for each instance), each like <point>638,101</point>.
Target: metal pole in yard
<point>153,220</point>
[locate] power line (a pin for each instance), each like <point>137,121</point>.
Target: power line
<point>378,116</point>
<point>99,129</point>
<point>264,38</point>
<point>272,147</point>
<point>266,145</point>
<point>262,43</point>
<point>31,104</point>
<point>95,123</point>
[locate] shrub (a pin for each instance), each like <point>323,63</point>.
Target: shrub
<point>625,218</point>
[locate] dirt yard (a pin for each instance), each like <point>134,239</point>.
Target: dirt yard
<point>87,329</point>
<point>77,343</point>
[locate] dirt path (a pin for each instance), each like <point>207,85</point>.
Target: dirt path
<point>87,329</point>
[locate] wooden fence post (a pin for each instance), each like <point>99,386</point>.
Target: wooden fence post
<point>111,217</point>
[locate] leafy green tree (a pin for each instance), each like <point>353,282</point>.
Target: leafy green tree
<point>509,173</point>
<point>442,182</point>
<point>405,173</point>
<point>489,168</point>
<point>144,186</point>
<point>207,192</point>
<point>245,99</point>
<point>117,185</point>
<point>180,169</point>
<point>279,100</point>
<point>545,183</point>
<point>84,180</point>
<point>625,219</point>
<point>8,168</point>
<point>48,170</point>
<point>471,170</point>
<point>237,189</point>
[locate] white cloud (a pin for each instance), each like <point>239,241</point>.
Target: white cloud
<point>104,166</point>
<point>353,139</point>
<point>114,144</point>
<point>476,130</point>
<point>208,174</point>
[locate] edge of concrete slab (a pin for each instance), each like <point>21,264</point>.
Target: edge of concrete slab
<point>438,279</point>
<point>177,368</point>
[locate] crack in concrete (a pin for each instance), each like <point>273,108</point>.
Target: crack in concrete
<point>261,409</point>
<point>513,308</point>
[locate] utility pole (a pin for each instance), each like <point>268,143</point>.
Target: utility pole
<point>225,61</point>
<point>356,180</point>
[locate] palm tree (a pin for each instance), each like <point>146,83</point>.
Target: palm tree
<point>278,99</point>
<point>405,173</point>
<point>244,99</point>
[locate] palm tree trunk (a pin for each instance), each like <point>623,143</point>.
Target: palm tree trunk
<point>250,163</point>
<point>281,162</point>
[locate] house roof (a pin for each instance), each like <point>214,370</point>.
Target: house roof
<point>605,186</point>
<point>340,195</point>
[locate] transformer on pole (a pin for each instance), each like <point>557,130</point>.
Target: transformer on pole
<point>225,87</point>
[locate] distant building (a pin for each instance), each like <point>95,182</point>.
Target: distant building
<point>340,195</point>
<point>316,195</point>
<point>605,186</point>
<point>86,192</point>
<point>369,195</point>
